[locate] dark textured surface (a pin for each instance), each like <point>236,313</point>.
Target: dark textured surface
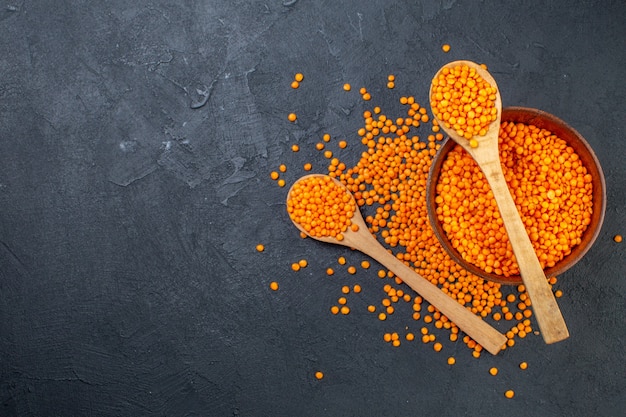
<point>129,283</point>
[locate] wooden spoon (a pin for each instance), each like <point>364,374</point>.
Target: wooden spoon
<point>362,240</point>
<point>487,156</point>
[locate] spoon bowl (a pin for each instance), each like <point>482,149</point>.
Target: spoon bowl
<point>485,153</point>
<point>363,241</point>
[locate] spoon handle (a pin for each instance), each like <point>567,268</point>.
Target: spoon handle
<point>545,307</point>
<point>479,330</point>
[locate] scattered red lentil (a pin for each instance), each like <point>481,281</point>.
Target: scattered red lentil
<point>274,286</point>
<point>260,247</point>
<point>617,238</point>
<point>319,375</point>
<point>298,77</point>
<point>445,47</point>
<point>389,182</point>
<point>493,371</point>
<point>347,87</point>
<point>509,393</point>
<point>292,117</point>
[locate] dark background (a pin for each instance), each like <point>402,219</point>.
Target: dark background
<point>129,280</point>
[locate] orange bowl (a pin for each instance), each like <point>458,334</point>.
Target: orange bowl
<point>565,132</point>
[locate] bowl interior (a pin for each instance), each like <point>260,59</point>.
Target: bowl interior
<point>558,127</point>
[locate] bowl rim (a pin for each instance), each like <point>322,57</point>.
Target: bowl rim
<point>560,128</point>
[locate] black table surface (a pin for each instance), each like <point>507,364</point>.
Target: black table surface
<point>137,138</point>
